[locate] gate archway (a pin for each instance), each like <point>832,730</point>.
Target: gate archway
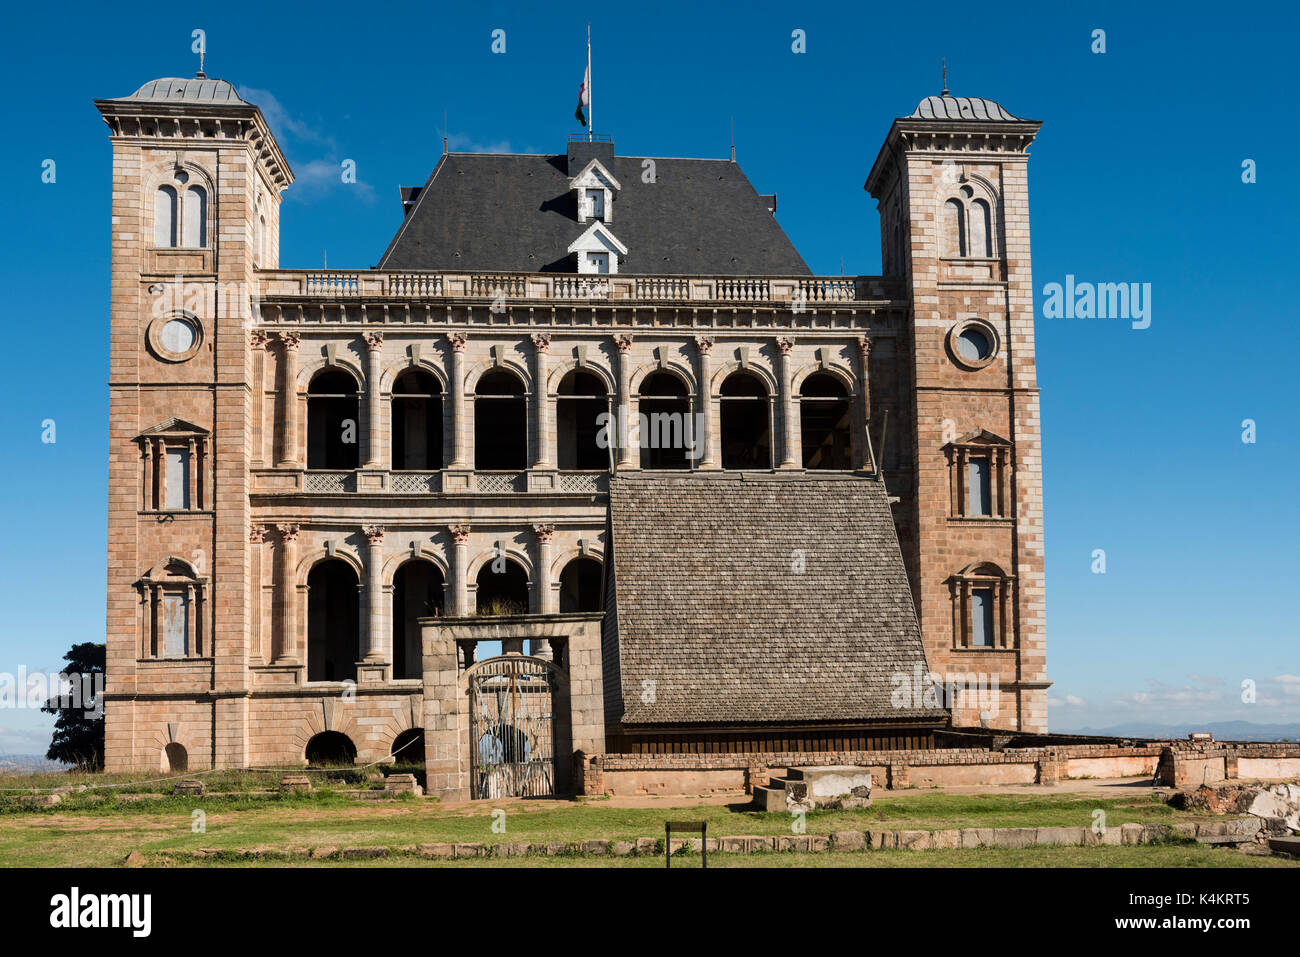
<point>512,728</point>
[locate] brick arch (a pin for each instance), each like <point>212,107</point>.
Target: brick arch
<point>316,556</point>
<point>838,370</point>
<point>393,562</point>
<point>321,719</point>
<point>679,369</point>
<point>481,368</point>
<point>764,374</point>
<point>308,370</point>
<point>562,368</point>
<point>164,173</point>
<point>391,373</point>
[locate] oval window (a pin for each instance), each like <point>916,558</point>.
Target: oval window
<point>178,336</point>
<point>973,345</point>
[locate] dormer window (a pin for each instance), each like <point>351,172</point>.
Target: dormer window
<point>594,192</point>
<point>598,250</point>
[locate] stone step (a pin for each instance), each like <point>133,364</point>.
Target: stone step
<point>1225,838</point>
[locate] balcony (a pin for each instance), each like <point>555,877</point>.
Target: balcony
<point>284,481</point>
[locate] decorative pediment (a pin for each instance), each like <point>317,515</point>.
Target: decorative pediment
<point>596,246</point>
<point>594,189</point>
<point>980,437</point>
<point>594,176</point>
<point>173,568</point>
<point>173,426</point>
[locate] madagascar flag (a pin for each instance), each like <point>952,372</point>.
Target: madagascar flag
<point>584,97</point>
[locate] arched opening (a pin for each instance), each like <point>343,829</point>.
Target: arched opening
<point>500,423</point>
<point>824,414</point>
<point>580,586</point>
<point>333,622</point>
<point>579,402</point>
<point>175,758</point>
<point>981,229</point>
<point>332,418</point>
<point>954,228</point>
<point>195,218</point>
<point>502,588</point>
<point>164,217</point>
<point>408,748</point>
<point>745,423</point>
<point>417,422</point>
<point>331,749</point>
<point>417,593</point>
<point>665,408</point>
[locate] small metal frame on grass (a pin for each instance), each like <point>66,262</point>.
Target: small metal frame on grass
<point>686,827</point>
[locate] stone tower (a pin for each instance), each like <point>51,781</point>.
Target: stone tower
<point>950,181</point>
<point>197,178</point>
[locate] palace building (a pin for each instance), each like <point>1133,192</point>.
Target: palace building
<point>592,407</point>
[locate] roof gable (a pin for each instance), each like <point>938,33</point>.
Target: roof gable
<point>597,238</point>
<point>594,176</point>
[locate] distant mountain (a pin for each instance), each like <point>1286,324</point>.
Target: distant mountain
<point>1222,730</point>
<point>27,763</point>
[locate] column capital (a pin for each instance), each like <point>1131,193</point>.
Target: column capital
<point>258,339</point>
<point>374,534</point>
<point>374,341</point>
<point>785,345</point>
<point>459,534</point>
<point>256,534</point>
<point>622,343</point>
<point>457,341</point>
<point>542,342</point>
<point>290,341</point>
<point>864,347</point>
<point>704,344</point>
<point>544,533</point>
<point>289,531</point>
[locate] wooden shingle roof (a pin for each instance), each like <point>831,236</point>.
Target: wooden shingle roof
<point>756,599</point>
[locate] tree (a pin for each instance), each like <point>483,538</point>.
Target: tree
<point>79,729</point>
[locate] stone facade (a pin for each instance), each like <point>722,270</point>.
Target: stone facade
<point>209,601</point>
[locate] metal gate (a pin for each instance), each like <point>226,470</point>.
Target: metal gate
<point>511,729</point>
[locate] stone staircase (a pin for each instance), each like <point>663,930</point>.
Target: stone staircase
<point>837,786</point>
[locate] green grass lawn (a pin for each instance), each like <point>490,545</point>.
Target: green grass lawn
<point>103,834</point>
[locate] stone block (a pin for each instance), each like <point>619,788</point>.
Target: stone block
<point>848,841</point>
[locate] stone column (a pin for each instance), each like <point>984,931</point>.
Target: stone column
<point>256,594</point>
<point>257,341</point>
<point>148,475</point>
<point>704,346</point>
<point>160,469</point>
<point>625,450</point>
<point>542,458</point>
<point>191,612</point>
<point>459,569</point>
<point>375,647</point>
<point>287,653</point>
<point>458,423</point>
<point>374,404</point>
<point>541,647</point>
<point>192,500</point>
<point>789,420</point>
<point>290,453</point>
<point>864,407</point>
<point>146,620</point>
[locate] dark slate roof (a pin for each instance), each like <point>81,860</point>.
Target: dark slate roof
<point>516,213</point>
<point>961,108</point>
<point>707,606</point>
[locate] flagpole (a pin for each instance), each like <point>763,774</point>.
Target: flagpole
<point>591,115</point>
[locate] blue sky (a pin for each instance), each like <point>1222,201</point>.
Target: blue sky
<point>1136,177</point>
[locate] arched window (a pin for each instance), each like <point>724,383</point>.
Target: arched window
<point>181,213</point>
<point>331,749</point>
<point>580,586</point>
<point>579,403</point>
<point>164,217</point>
<point>500,423</point>
<point>502,588</point>
<point>954,228</point>
<point>745,423</point>
<point>332,415</point>
<point>824,416</point>
<point>333,622</point>
<point>175,758</point>
<point>417,593</point>
<point>981,229</point>
<point>665,408</point>
<point>417,422</point>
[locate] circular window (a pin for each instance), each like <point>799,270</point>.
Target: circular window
<point>973,343</point>
<point>175,338</point>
